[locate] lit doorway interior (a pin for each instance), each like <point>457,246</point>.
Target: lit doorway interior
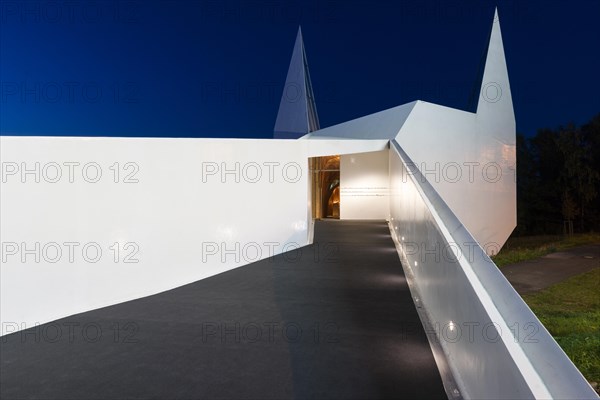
<point>325,186</point>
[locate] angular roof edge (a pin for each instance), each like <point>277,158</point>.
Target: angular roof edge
<point>381,125</point>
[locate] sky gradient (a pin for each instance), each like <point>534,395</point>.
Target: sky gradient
<point>217,68</point>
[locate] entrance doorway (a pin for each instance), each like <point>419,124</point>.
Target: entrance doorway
<point>325,186</point>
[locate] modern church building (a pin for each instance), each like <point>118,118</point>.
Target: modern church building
<point>351,261</point>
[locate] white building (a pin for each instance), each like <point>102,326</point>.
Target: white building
<point>90,222</point>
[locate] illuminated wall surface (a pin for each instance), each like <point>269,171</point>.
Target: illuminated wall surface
<point>365,184</point>
<point>90,222</point>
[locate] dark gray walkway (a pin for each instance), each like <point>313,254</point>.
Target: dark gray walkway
<point>337,322</point>
<point>533,275</point>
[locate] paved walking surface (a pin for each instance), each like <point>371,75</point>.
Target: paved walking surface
<point>330,320</point>
<point>533,275</point>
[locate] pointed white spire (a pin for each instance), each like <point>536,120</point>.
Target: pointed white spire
<point>297,114</point>
<point>495,105</point>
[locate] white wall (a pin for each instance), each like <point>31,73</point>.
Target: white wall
<point>178,220</point>
<point>471,169</point>
<point>169,205</point>
<point>364,185</point>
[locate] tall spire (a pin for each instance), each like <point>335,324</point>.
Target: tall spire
<point>495,105</point>
<point>297,114</point>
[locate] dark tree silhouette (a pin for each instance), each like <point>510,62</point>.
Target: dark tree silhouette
<point>558,179</point>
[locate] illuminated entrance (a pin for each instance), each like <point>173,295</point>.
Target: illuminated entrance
<point>325,186</point>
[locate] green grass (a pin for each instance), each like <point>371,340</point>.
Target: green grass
<point>530,247</point>
<point>570,311</point>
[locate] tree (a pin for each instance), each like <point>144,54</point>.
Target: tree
<point>577,174</point>
<point>558,178</point>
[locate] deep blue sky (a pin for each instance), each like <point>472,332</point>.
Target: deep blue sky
<point>217,68</point>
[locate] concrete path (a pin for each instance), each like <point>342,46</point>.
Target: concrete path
<point>533,275</point>
<point>333,320</point>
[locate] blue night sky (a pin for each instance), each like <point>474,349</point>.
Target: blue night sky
<point>217,69</point>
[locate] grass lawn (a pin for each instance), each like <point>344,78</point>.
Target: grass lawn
<point>529,247</point>
<point>570,311</point>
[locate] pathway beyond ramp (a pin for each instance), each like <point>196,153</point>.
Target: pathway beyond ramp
<point>533,275</point>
